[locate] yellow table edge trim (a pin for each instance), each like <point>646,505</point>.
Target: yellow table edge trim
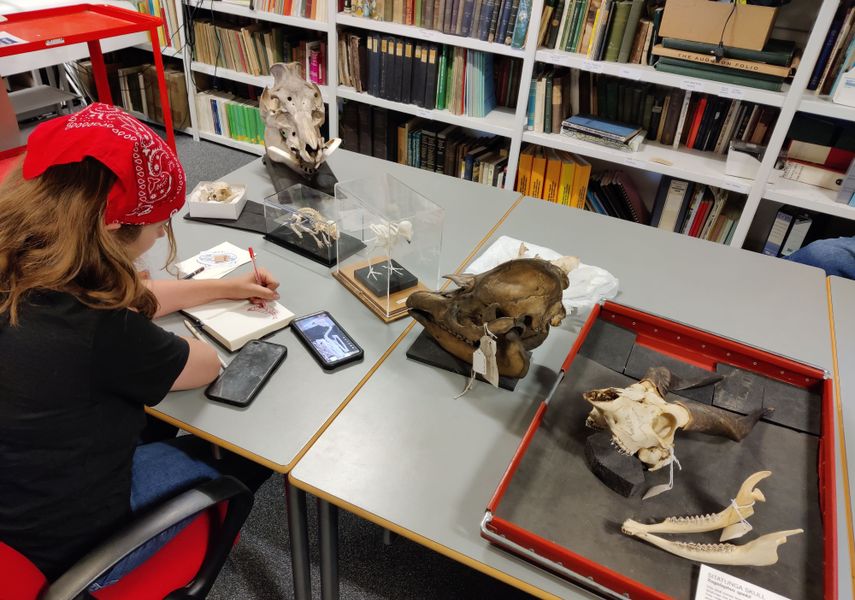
<point>428,543</point>
<point>839,408</point>
<point>284,469</point>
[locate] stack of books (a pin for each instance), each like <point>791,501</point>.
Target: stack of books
<point>254,48</point>
<point>671,116</point>
<point>696,210</point>
<point>500,21</point>
<point>309,9</point>
<point>837,56</point>
<point>614,194</point>
<point>619,31</point>
<point>553,175</point>
<point>167,34</point>
<point>424,144</point>
<point>222,113</point>
<point>433,76</point>
<point>604,132</point>
<point>819,151</point>
<point>766,69</point>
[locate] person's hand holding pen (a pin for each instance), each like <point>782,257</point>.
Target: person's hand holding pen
<point>242,287</point>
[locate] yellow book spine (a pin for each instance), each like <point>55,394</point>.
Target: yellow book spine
<point>593,32</point>
<point>580,182</point>
<point>538,175</point>
<point>553,177</point>
<point>524,173</point>
<point>565,186</point>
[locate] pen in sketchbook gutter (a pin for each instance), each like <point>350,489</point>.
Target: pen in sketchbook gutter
<point>199,337</point>
<point>194,273</point>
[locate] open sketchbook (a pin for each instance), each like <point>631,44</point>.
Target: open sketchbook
<point>233,323</point>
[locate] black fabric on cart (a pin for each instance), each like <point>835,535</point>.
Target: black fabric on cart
<point>642,358</point>
<point>608,344</point>
<point>554,495</point>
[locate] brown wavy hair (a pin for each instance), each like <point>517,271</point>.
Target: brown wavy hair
<point>53,237</point>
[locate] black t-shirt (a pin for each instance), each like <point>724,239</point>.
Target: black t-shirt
<point>73,382</point>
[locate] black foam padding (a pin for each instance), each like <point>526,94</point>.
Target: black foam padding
<point>400,279</point>
<point>284,177</point>
<point>740,391</point>
<point>344,247</point>
<point>642,358</point>
<point>554,495</point>
<point>743,392</point>
<point>618,471</point>
<point>795,407</point>
<point>250,219</point>
<point>426,350</point>
<point>608,344</point>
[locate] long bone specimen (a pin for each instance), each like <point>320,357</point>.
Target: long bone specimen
<point>757,553</point>
<point>731,520</point>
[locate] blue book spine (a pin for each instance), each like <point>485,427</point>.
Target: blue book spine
<point>825,53</point>
<point>521,26</point>
<point>503,20</point>
<point>468,9</point>
<point>216,115</point>
<point>852,200</point>
<point>532,99</point>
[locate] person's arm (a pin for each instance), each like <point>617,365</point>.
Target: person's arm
<point>202,366</point>
<point>174,295</point>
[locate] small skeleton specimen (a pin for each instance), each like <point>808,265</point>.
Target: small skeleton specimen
<point>732,521</point>
<point>386,235</point>
<point>644,424</point>
<point>309,221</point>
<point>216,191</point>
<point>293,112</point>
<point>517,301</point>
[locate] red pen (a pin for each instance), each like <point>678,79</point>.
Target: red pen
<point>257,276</point>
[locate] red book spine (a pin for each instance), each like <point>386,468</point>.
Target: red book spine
<point>314,75</point>
<point>696,123</point>
<point>700,218</point>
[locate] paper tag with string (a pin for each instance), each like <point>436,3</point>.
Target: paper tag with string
<point>658,489</point>
<point>737,530</point>
<point>484,358</point>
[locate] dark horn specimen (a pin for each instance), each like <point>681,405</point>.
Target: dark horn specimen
<point>715,421</point>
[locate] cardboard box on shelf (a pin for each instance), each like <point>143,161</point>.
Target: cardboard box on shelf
<point>705,21</point>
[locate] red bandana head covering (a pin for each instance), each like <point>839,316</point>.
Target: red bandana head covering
<point>150,182</point>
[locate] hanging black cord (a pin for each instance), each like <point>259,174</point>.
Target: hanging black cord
<point>719,51</point>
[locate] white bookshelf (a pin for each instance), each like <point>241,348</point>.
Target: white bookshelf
<point>168,51</point>
<point>702,167</point>
<point>236,144</point>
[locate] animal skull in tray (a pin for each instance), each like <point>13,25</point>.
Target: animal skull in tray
<point>516,301</point>
<point>293,112</point>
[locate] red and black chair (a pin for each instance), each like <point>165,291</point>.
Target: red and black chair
<point>184,569</point>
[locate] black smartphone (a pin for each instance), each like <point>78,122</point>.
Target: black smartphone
<point>328,342</point>
<point>244,377</point>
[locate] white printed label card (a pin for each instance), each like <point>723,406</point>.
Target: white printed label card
<point>718,585</point>
<point>215,263</point>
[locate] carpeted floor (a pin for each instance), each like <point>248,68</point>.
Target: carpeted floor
<point>260,567</point>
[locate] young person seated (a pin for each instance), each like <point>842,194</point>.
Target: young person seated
<point>835,256</point>
<point>80,357</point>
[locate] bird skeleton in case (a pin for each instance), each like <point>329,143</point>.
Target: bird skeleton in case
<point>386,236</point>
<point>293,112</point>
<point>644,424</point>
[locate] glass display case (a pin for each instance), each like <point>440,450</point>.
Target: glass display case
<point>401,231</point>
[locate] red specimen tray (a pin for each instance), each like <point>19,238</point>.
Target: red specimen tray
<point>698,348</point>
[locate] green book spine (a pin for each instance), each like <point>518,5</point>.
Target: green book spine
<point>230,115</point>
<point>647,110</point>
<point>629,31</point>
<point>417,17</point>
<point>776,52</point>
<point>568,26</point>
<point>547,109</point>
<point>711,68</point>
<point>615,34</point>
<point>579,26</point>
<point>442,84</point>
<point>244,123</point>
<point>656,38</point>
<point>722,77</point>
<point>259,127</point>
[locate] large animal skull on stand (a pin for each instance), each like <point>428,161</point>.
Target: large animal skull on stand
<point>517,301</point>
<point>293,112</point>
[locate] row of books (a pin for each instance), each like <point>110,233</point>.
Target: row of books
<point>433,76</point>
<point>167,34</point>
<point>837,55</point>
<point>553,175</point>
<point>423,144</point>
<point>622,31</point>
<point>788,232</point>
<point>223,113</point>
<point>670,116</point>
<point>501,21</point>
<point>309,9</point>
<point>696,210</point>
<point>254,48</point>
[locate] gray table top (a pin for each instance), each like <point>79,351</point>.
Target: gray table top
<point>416,460</point>
<point>842,299</point>
<point>300,398</point>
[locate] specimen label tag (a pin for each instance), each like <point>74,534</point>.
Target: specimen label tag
<point>717,585</point>
<point>484,360</point>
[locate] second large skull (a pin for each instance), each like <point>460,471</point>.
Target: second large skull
<point>518,301</point>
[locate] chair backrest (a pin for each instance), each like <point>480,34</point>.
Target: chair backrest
<point>21,579</point>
